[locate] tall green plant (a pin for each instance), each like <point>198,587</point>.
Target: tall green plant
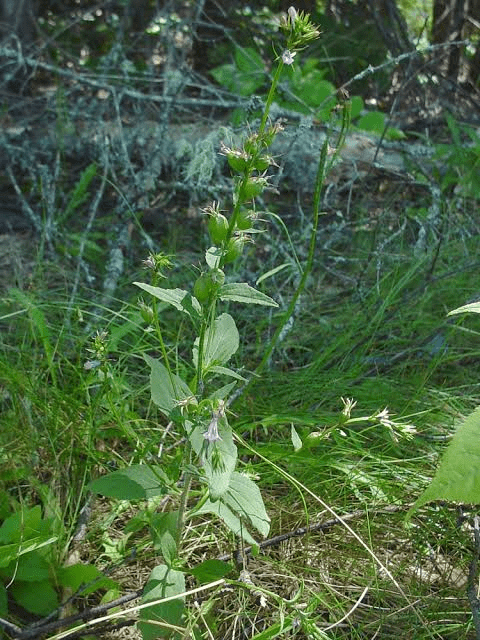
<point>196,405</point>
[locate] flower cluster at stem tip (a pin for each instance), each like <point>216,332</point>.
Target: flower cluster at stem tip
<point>299,31</point>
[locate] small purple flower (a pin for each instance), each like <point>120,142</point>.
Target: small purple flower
<point>211,434</point>
<point>287,57</point>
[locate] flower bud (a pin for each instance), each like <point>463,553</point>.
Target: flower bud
<point>253,188</point>
<point>218,228</point>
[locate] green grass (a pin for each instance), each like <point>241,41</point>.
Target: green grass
<point>63,425</point>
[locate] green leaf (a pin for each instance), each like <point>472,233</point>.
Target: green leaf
<point>163,582</point>
<point>225,371</point>
<point>314,91</point>
<point>168,547</point>
<point>373,121</point>
<point>178,298</point>
<point>138,482</point>
<point>458,475</point>
<point>213,257</point>
<point>211,570</point>
<point>221,342</point>
<point>273,272</point>
<point>222,392</point>
<point>30,567</point>
<point>296,440</point>
<point>218,459</point>
<point>167,389</point>
<point>244,497</point>
<point>21,525</point>
<point>248,60</point>
<point>164,530</point>
<point>243,292</point>
<point>357,106</point>
<point>224,75</point>
<point>232,521</point>
<point>80,192</point>
<point>474,307</point>
<point>86,576</point>
<point>37,597</point>
<point>9,552</point>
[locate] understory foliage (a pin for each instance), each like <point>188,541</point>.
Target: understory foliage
<point>259,482</point>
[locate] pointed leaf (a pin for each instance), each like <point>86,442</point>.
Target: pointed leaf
<point>138,482</point>
<point>296,440</point>
<point>167,389</point>
<point>222,392</point>
<point>243,292</point>
<point>211,570</point>
<point>84,575</point>
<point>244,497</point>
<point>31,567</point>
<point>179,298</point>
<point>220,509</point>
<point>228,372</point>
<point>221,342</point>
<point>273,272</point>
<point>458,475</point>
<point>21,525</point>
<point>474,307</point>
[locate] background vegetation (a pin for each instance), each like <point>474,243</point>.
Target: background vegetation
<point>111,122</point>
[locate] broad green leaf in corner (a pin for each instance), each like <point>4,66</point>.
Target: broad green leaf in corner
<point>162,583</point>
<point>474,307</point>
<point>243,292</point>
<point>221,342</point>
<point>458,476</point>
<point>167,389</point>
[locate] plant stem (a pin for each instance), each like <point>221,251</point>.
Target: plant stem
<point>271,95</point>
<point>184,496</point>
<point>306,271</point>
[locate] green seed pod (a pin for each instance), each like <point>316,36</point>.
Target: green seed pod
<point>218,228</point>
<point>234,249</point>
<point>245,219</point>
<point>253,188</point>
<point>146,312</point>
<point>262,163</point>
<point>237,161</point>
<point>203,287</point>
